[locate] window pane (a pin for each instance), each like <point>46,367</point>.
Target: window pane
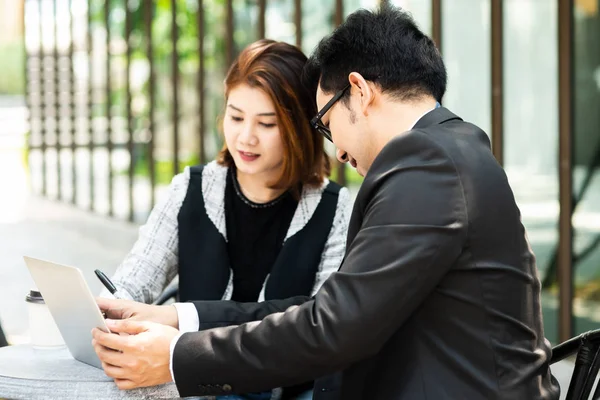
<point>352,5</point>
<point>466,51</point>
<point>586,168</point>
<point>420,10</point>
<point>531,132</point>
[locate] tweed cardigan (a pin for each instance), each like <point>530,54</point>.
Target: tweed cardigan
<point>152,263</point>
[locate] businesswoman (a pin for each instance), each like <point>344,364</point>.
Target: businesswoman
<point>260,222</point>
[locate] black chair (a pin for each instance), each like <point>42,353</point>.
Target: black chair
<point>3,341</point>
<point>170,292</point>
<point>587,364</point>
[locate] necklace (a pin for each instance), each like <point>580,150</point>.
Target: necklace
<point>247,201</point>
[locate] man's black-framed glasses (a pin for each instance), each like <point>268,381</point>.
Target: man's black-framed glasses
<point>316,121</point>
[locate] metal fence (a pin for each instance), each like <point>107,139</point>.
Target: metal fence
<point>133,89</point>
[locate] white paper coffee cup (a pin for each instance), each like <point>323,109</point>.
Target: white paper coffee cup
<point>44,332</point>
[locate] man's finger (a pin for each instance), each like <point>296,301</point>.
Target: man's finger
<point>114,342</point>
<point>128,326</point>
<point>109,356</point>
<point>125,384</point>
<point>113,372</point>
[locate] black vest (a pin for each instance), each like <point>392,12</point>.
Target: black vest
<point>204,266</point>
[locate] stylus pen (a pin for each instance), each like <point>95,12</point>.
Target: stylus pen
<point>106,282</point>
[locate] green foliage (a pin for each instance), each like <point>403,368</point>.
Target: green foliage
<point>162,46</point>
<point>12,77</point>
<point>590,290</point>
<point>163,169</point>
<point>352,177</point>
<point>25,151</point>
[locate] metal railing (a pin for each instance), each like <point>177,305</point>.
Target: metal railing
<point>97,125</point>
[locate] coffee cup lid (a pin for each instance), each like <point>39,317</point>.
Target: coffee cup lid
<point>34,296</point>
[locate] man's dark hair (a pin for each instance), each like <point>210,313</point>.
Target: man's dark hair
<point>384,46</point>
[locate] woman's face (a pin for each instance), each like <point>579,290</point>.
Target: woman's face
<point>252,133</point>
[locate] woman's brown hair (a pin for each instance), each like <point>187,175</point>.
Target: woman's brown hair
<point>276,68</point>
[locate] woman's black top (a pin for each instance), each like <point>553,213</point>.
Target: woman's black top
<point>255,235</point>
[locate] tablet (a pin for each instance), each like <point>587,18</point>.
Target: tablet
<point>71,304</point>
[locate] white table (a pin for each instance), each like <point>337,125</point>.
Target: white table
<point>30,373</point>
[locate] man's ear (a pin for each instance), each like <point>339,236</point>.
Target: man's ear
<point>361,88</point>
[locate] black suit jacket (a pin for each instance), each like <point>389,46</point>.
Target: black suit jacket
<point>437,298</point>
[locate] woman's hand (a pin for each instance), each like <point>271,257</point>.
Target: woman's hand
<point>132,310</point>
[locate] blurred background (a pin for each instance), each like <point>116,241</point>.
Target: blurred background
<point>103,101</point>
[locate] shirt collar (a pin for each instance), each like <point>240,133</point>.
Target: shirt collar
<point>437,105</point>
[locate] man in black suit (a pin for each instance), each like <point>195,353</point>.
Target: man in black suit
<point>438,295</point>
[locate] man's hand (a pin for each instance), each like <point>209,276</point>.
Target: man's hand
<point>128,309</point>
<point>138,360</point>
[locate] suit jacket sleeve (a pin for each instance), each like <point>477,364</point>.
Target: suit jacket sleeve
<point>412,217</point>
<point>219,313</point>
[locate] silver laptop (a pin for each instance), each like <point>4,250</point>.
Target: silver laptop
<point>71,304</point>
